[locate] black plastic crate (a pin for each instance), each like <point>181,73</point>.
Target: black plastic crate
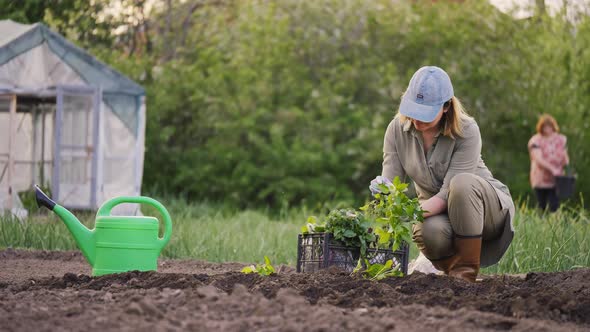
<point>319,250</point>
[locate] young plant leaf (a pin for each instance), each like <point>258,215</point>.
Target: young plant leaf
<point>265,269</point>
<point>249,269</point>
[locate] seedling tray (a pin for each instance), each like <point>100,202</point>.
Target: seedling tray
<point>319,250</point>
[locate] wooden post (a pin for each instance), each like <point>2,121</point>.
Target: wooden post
<point>35,147</point>
<point>43,110</point>
<point>11,142</point>
<point>541,8</point>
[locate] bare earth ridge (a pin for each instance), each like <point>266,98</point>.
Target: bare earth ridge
<point>49,291</point>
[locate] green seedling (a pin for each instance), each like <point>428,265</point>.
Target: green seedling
<point>351,228</point>
<point>313,226</point>
<point>394,213</point>
<point>265,269</point>
<point>377,271</point>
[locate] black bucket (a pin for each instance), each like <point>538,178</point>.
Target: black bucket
<point>565,186</point>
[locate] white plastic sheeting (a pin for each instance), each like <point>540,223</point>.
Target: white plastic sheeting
<point>38,68</point>
<point>26,149</point>
<point>34,62</point>
<point>11,30</point>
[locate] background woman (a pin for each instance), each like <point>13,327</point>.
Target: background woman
<point>547,149</point>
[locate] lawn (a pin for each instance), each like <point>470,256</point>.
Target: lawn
<point>217,233</point>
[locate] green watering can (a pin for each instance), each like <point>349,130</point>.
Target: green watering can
<point>117,243</point>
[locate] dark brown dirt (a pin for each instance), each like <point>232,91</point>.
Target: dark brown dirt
<point>52,291</point>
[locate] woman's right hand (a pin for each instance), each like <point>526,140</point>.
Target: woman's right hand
<point>556,171</point>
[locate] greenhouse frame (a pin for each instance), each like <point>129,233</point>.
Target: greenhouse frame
<point>68,122</point>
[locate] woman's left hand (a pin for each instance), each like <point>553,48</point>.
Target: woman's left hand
<point>433,206</point>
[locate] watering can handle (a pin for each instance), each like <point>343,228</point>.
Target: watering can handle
<point>105,210</point>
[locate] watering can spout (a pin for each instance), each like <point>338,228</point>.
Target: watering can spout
<point>83,236</point>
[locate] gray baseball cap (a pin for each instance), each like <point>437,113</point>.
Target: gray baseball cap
<point>429,89</point>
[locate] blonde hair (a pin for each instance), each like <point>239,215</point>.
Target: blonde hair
<point>546,119</point>
<point>452,124</point>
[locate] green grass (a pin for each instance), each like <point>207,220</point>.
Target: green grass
<point>543,242</point>
<point>547,241</point>
<point>203,231</point>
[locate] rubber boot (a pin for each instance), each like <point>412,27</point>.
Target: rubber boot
<point>468,251</point>
<point>445,264</point>
<point>441,264</point>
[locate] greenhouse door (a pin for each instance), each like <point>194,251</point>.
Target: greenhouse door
<point>77,117</point>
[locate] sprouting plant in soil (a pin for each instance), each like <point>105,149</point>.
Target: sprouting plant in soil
<point>377,271</point>
<point>265,269</point>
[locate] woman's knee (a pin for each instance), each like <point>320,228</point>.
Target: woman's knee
<point>462,183</point>
<point>463,189</point>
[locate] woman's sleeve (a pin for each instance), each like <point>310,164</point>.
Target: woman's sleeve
<point>465,158</point>
<point>566,157</point>
<point>392,166</point>
<point>533,144</point>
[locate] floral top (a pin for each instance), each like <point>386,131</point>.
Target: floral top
<point>553,151</point>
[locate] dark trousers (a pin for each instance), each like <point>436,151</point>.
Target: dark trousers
<point>547,196</point>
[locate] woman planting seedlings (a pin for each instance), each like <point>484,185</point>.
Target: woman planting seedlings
<point>468,213</point>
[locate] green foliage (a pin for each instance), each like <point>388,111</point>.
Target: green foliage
<point>384,222</point>
<point>31,11</point>
<point>265,269</point>
<point>278,103</point>
<point>394,214</point>
<point>547,241</point>
<point>272,112</point>
<point>313,226</point>
<point>281,103</point>
<point>80,20</point>
<point>350,228</point>
<point>377,271</point>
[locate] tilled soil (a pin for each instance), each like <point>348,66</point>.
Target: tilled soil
<point>42,290</point>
